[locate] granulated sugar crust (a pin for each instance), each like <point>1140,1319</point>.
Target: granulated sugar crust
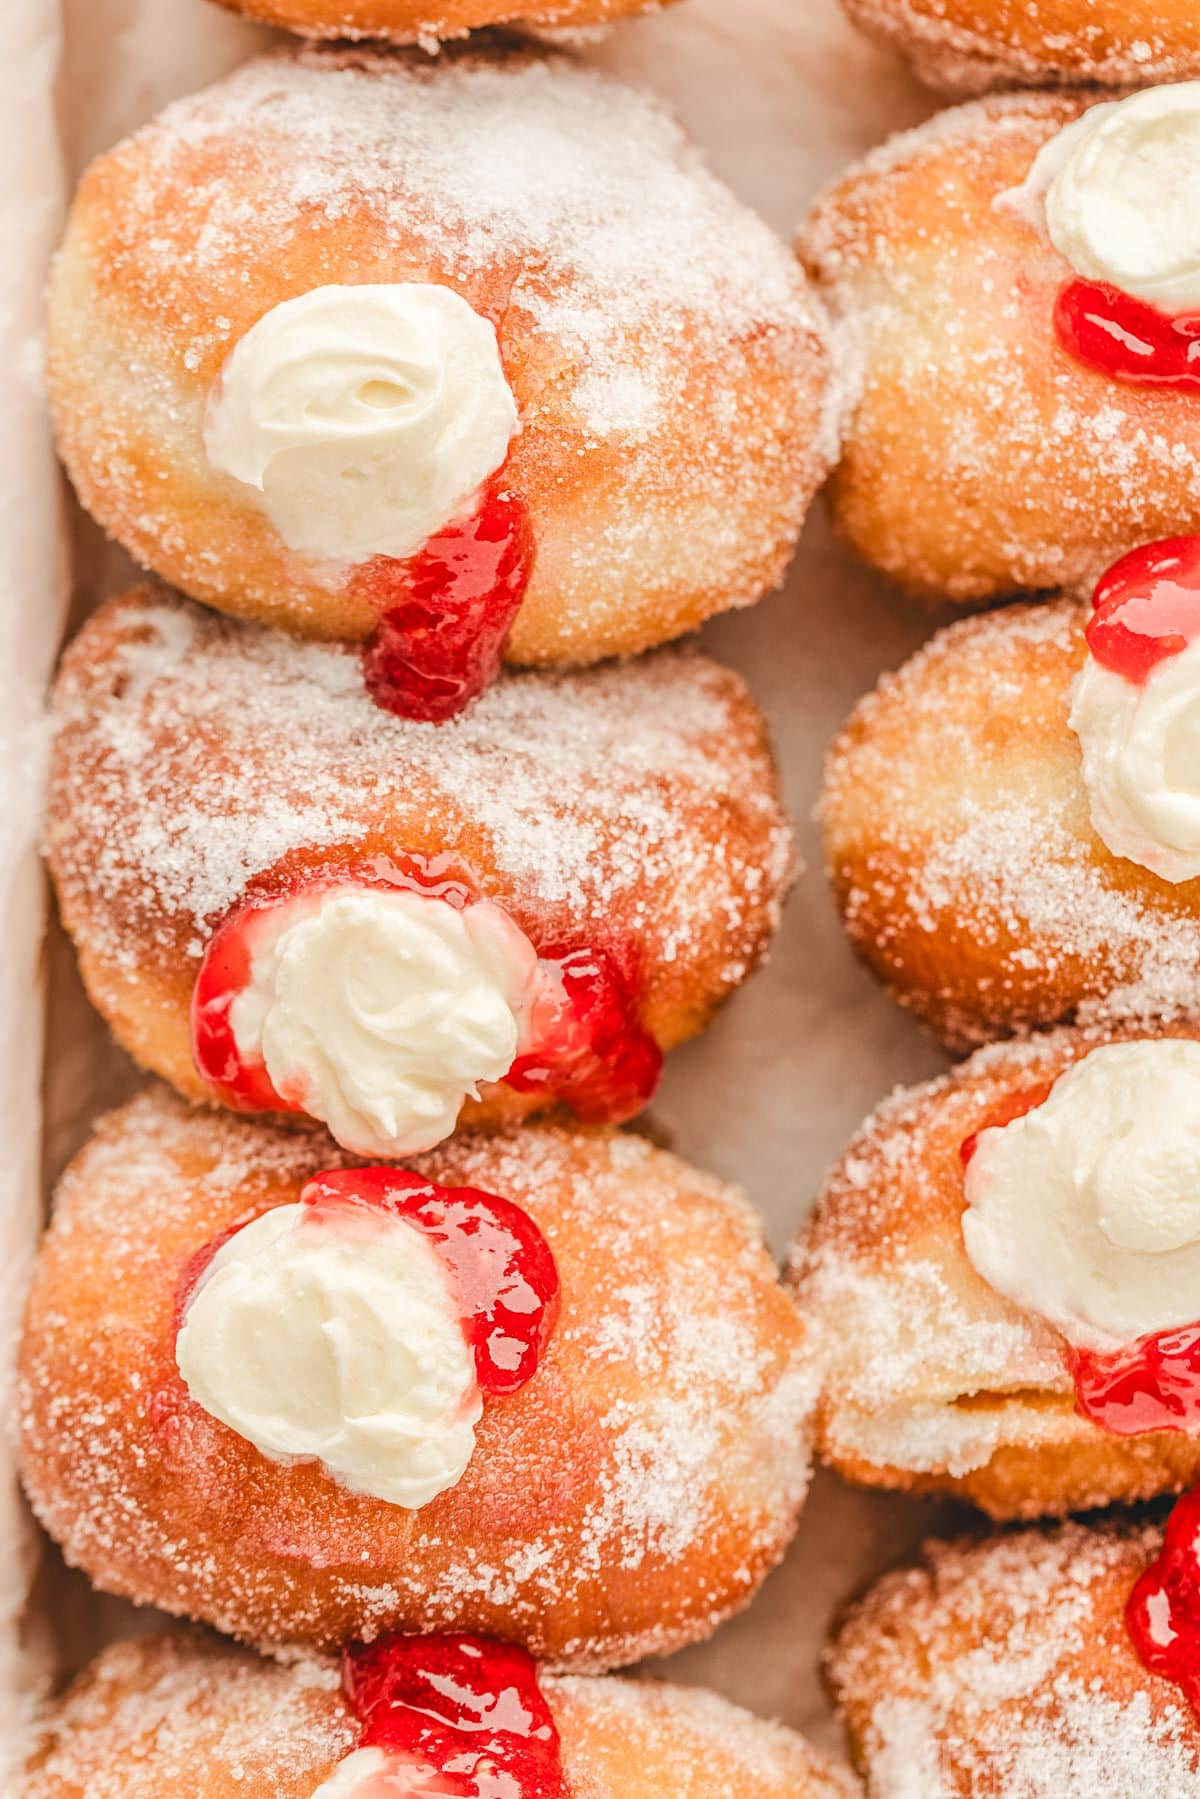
<point>186,1718</point>
<point>1003,1670</point>
<point>628,1498</point>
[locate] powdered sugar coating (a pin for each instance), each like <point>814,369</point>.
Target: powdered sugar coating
<point>960,842</point>
<point>982,459</point>
<point>432,22</point>
<point>178,1716</point>
<point>1004,1669</point>
<point>967,46</point>
<point>631,1495</point>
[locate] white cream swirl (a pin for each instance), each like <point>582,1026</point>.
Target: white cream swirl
<point>380,1010</point>
<point>366,417</point>
<point>330,1333</point>
<point>1118,193</point>
<point>1086,1211</point>
<point>1140,748</point>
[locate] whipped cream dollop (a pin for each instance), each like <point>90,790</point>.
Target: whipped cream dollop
<point>1087,1210</point>
<point>1118,194</point>
<point>380,1010</point>
<point>1140,744</point>
<point>367,418</point>
<point>331,1333</point>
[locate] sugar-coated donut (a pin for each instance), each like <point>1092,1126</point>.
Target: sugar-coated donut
<point>618,830</point>
<point>968,46</point>
<point>275,372</point>
<point>431,21</point>
<point>632,1493</point>
<point>984,457</point>
<point>169,1718</point>
<point>1003,1670</point>
<point>933,1378</point>
<point>961,843</point>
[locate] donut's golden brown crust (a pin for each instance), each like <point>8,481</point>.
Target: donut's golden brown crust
<point>173,1718</point>
<point>982,459</point>
<point>960,845</point>
<point>931,1380</point>
<point>631,1495</point>
<point>668,358</point>
<point>1003,1670</point>
<point>199,760</point>
<point>413,21</point>
<point>967,46</point>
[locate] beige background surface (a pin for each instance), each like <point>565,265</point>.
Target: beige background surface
<point>782,94</point>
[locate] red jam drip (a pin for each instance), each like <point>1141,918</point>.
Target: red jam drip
<point>1147,608</point>
<point>1127,339</point>
<point>245,1086</point>
<point>460,1707</point>
<point>1007,1112</point>
<point>596,1056</point>
<point>1150,1385</point>
<point>445,613</point>
<point>501,1267</point>
<point>1163,1613</point>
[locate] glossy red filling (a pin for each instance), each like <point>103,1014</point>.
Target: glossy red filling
<point>445,613</point>
<point>596,1057</point>
<point>501,1267</point>
<point>1127,339</point>
<point>462,1707</point>
<point>1007,1111</point>
<point>1147,608</point>
<point>1163,1614</point>
<point>591,1050</point>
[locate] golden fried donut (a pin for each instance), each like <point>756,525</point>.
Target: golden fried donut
<point>1003,1670</point>
<point>170,1718</point>
<point>967,46</point>
<point>983,458</point>
<point>299,276</point>
<point>960,843</point>
<point>425,21</point>
<point>630,1495</point>
<point>932,1379</point>
<point>624,821</point>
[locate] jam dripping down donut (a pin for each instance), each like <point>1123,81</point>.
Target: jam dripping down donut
<point>1126,339</point>
<point>591,1050</point>
<point>445,613</point>
<point>1163,1613</point>
<point>460,1707</point>
<point>1147,608</point>
<point>1152,1384</point>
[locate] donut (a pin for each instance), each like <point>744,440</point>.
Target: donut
<point>173,1718</point>
<point>542,1384</point>
<point>286,901</point>
<point>1008,822</point>
<point>968,46</point>
<point>432,21</point>
<point>1018,284</point>
<point>269,300</point>
<point>1006,1667</point>
<point>991,1311</point>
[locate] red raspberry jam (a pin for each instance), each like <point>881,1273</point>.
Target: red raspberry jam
<point>445,613</point>
<point>595,1054</point>
<point>1015,1106</point>
<point>1127,339</point>
<point>462,1707</point>
<point>245,1086</point>
<point>500,1264</point>
<point>1153,1384</point>
<point>1163,1614</point>
<point>1147,608</point>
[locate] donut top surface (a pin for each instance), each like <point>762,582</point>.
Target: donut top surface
<point>1006,1668</point>
<point>194,754</point>
<point>530,182</point>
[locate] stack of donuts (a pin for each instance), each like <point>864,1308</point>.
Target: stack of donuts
<point>438,389</point>
<point>429,386</point>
